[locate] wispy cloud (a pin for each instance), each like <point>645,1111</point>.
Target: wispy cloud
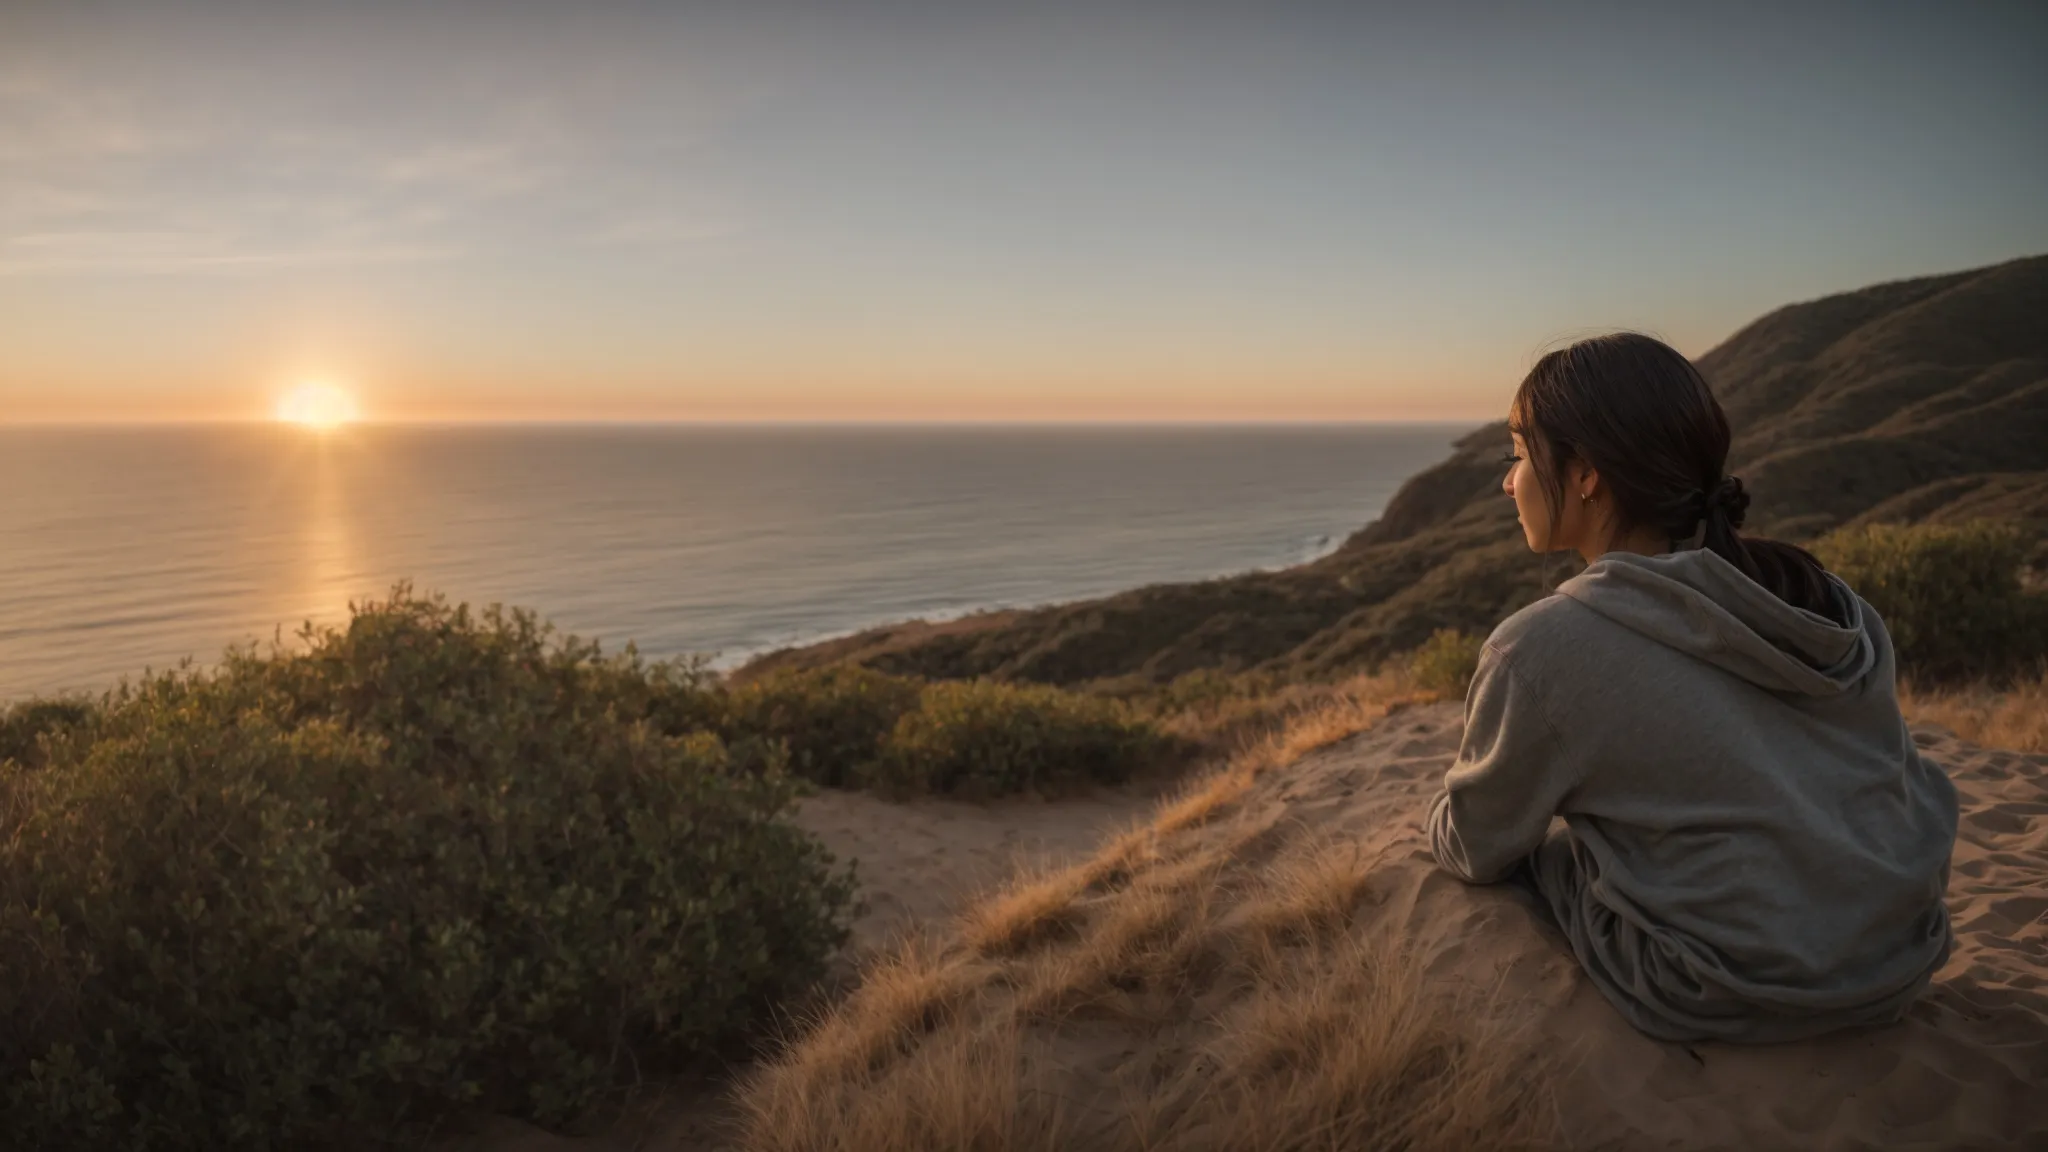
<point>95,187</point>
<point>495,168</point>
<point>662,231</point>
<point>206,177</point>
<point>44,121</point>
<point>174,253</point>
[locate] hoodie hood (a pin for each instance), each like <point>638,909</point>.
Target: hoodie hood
<point>1700,604</point>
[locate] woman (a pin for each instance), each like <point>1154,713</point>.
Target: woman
<point>1754,850</point>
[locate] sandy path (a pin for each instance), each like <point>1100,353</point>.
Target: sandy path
<point>916,860</point>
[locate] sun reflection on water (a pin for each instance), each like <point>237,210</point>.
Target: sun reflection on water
<point>328,560</point>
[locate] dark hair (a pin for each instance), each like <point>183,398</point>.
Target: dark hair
<point>1642,416</point>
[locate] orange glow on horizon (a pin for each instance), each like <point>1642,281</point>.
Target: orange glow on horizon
<point>318,406</point>
<point>324,406</point>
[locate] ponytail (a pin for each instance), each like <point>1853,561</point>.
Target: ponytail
<point>1789,572</point>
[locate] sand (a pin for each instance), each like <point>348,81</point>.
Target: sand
<point>1968,1068</point>
<point>917,860</point>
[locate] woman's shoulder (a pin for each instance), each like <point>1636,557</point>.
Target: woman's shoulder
<point>1536,627</point>
<point>1558,639</point>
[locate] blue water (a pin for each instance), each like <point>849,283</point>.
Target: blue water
<point>131,548</point>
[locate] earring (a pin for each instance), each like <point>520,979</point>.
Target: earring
<point>1585,497</point>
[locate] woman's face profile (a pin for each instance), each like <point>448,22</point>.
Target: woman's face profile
<point>1573,524</point>
<point>1530,508</point>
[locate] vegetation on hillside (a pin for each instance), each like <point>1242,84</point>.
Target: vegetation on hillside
<point>2013,716</point>
<point>855,727</point>
<point>1952,597</point>
<point>1446,662</point>
<point>426,863</point>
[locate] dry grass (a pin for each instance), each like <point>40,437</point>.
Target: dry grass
<point>1031,907</point>
<point>1139,947</point>
<point>1314,716</point>
<point>1342,1047</point>
<point>1225,727</point>
<point>1310,893</point>
<point>1205,984</point>
<point>964,1088</point>
<point>897,1002</point>
<point>2015,717</point>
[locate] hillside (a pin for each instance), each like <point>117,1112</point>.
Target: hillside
<point>1915,401</point>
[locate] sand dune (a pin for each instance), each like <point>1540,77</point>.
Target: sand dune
<point>1191,986</point>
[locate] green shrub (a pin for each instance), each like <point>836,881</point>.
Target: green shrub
<point>1951,596</point>
<point>428,863</point>
<point>832,721</point>
<point>1207,690</point>
<point>677,697</point>
<point>1446,662</point>
<point>25,726</point>
<point>988,738</point>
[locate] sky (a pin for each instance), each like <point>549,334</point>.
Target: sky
<point>904,212</point>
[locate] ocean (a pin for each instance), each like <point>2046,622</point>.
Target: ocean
<point>133,548</point>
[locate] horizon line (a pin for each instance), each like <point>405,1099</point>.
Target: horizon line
<point>722,422</point>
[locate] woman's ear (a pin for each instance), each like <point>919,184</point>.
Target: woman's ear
<point>1582,481</point>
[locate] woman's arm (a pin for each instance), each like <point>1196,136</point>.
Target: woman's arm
<point>1510,776</point>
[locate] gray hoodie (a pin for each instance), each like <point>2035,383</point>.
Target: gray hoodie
<point>1756,851</point>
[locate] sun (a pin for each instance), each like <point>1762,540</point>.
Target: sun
<point>319,406</point>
